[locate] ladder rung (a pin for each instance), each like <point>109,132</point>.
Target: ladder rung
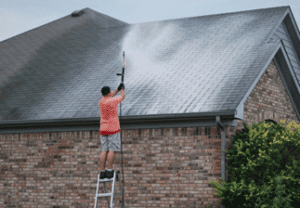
<point>108,194</point>
<point>104,195</point>
<point>106,180</point>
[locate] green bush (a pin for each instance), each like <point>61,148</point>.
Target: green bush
<point>278,202</point>
<point>257,158</point>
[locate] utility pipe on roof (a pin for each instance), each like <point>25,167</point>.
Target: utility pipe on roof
<point>223,136</point>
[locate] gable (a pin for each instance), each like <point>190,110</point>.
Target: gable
<point>270,100</point>
<point>286,58</point>
<point>283,35</point>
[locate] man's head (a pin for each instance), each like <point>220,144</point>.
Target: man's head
<point>106,91</point>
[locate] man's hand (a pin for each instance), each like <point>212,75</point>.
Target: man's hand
<point>121,86</point>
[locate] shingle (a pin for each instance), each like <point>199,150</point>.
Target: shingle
<point>196,64</point>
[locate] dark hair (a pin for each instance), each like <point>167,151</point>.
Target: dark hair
<point>105,90</point>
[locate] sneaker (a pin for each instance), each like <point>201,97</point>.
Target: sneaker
<point>103,174</point>
<point>110,174</point>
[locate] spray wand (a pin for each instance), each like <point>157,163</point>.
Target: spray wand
<point>123,69</point>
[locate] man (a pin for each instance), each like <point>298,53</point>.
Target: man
<point>109,128</point>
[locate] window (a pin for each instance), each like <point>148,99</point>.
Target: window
<point>270,121</point>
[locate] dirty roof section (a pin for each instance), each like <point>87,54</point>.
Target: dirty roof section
<point>186,65</point>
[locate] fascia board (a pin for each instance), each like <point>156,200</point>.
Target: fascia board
<point>296,107</point>
<point>289,65</point>
<point>293,31</point>
<point>294,22</point>
<point>277,25</point>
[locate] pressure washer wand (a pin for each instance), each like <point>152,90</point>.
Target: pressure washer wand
<point>123,69</point>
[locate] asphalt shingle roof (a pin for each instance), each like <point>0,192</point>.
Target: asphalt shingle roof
<point>187,65</point>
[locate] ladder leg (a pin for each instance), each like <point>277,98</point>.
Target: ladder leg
<point>113,190</point>
<point>121,191</point>
<point>96,198</point>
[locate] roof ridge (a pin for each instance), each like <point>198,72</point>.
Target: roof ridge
<point>38,27</point>
<point>86,10</point>
<point>228,13</point>
<point>99,13</point>
<point>89,9</point>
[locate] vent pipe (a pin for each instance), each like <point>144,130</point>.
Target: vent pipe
<point>77,13</point>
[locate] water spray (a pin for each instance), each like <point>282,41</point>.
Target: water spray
<point>123,71</point>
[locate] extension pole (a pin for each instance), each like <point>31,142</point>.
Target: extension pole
<point>123,69</point>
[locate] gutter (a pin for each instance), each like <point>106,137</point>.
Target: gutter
<point>223,137</point>
<point>127,122</point>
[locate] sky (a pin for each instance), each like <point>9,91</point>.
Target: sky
<point>19,16</point>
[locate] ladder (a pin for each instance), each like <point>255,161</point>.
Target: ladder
<point>112,194</point>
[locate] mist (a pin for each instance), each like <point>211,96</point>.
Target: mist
<point>144,44</point>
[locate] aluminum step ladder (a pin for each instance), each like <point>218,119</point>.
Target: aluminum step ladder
<point>112,194</point>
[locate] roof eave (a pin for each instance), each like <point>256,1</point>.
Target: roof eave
<point>127,122</point>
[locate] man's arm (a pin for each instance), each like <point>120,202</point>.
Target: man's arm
<point>113,94</point>
<point>123,94</point>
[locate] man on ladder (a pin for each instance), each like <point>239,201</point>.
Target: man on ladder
<point>110,139</point>
<point>109,128</point>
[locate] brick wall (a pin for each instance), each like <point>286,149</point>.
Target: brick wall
<point>163,168</point>
<point>48,169</point>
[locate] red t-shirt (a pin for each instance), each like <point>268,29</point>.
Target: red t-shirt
<point>109,115</point>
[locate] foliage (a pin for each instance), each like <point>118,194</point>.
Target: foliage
<point>278,202</point>
<point>257,158</point>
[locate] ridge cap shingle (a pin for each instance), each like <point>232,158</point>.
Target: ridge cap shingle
<point>218,14</point>
<point>87,10</point>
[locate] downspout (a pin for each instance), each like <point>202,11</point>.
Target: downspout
<point>223,136</point>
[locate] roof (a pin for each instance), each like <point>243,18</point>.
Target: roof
<point>178,66</point>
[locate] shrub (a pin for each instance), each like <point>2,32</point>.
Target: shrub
<point>278,201</point>
<point>257,158</point>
